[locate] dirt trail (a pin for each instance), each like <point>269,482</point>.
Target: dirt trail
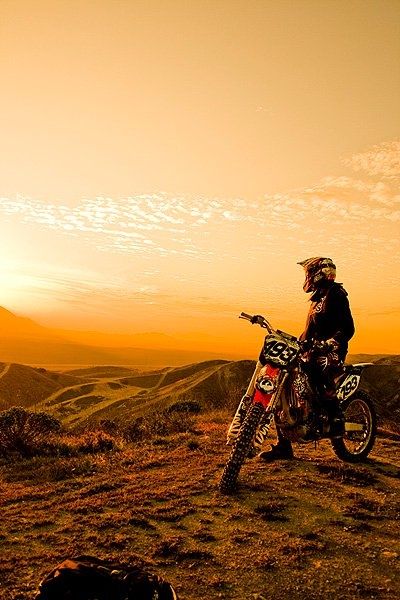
<point>5,369</point>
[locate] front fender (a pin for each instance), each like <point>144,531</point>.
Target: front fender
<point>266,385</point>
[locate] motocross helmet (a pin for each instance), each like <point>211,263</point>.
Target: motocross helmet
<point>319,271</point>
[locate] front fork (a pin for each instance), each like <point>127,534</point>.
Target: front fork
<point>256,394</point>
<point>243,407</point>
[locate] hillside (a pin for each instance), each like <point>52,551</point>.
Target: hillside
<point>382,381</point>
<point>309,529</point>
<point>373,358</point>
<point>123,397</point>
<point>26,386</point>
<point>79,396</point>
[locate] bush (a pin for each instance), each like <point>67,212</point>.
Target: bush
<point>109,426</point>
<point>159,424</point>
<point>189,406</point>
<point>23,431</point>
<point>92,442</point>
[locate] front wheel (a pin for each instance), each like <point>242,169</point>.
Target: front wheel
<point>240,449</point>
<point>360,428</point>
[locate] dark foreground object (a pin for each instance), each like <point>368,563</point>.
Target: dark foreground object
<point>90,578</point>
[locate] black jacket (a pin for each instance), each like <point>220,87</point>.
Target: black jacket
<point>330,317</point>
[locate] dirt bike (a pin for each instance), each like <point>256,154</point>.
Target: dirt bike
<point>281,390</point>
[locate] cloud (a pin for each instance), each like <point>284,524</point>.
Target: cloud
<point>381,160</point>
<point>216,229</point>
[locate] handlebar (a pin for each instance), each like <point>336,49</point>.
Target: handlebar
<point>306,345</point>
<point>244,315</point>
<point>261,321</point>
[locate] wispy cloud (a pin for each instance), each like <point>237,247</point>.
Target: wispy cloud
<point>381,160</point>
<point>203,228</point>
<point>160,258</point>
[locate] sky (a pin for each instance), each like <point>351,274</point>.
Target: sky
<point>165,164</point>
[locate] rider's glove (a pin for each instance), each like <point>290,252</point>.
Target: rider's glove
<point>332,344</point>
<point>322,362</point>
<point>256,319</point>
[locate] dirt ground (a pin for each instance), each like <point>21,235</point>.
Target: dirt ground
<point>310,528</point>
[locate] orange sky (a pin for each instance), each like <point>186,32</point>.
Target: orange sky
<point>164,164</point>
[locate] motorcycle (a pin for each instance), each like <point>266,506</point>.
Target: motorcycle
<point>281,390</point>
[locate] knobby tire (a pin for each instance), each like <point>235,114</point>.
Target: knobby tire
<point>240,449</point>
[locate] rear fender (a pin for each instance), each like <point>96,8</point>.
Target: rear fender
<point>266,385</point>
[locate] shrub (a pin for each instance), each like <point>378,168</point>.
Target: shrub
<point>159,424</point>
<point>92,442</point>
<point>109,426</point>
<point>189,406</point>
<point>23,431</point>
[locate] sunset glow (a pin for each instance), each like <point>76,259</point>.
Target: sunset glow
<point>165,165</point>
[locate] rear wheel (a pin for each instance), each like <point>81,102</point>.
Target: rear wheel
<point>240,449</point>
<point>360,428</point>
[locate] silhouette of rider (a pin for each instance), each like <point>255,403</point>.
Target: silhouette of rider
<point>330,323</point>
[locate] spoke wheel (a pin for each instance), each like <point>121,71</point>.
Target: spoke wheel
<point>241,448</point>
<point>360,428</point>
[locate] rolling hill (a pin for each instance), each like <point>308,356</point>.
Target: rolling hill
<point>90,394</point>
<point>27,386</point>
<point>87,395</point>
<point>111,395</point>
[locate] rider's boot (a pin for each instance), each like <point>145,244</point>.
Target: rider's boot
<point>281,451</point>
<point>336,426</point>
<point>336,419</point>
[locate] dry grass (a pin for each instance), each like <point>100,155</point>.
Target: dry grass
<point>312,528</point>
<point>159,424</point>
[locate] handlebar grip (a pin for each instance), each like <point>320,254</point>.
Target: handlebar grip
<point>244,315</point>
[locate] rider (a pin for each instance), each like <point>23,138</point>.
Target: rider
<point>329,321</point>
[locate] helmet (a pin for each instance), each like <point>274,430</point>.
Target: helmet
<point>318,270</point>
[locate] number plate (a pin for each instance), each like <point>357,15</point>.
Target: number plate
<point>349,385</point>
<point>279,350</point>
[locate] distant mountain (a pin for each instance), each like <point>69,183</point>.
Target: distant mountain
<point>147,340</point>
<point>24,341</point>
<point>392,359</point>
<point>14,326</point>
<point>47,352</point>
